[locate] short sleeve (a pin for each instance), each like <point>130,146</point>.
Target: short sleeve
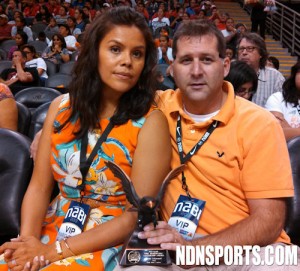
<point>274,102</point>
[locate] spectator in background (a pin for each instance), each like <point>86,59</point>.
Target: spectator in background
<point>18,76</point>
<point>53,7</point>
<point>62,16</point>
<point>243,78</point>
<point>33,61</point>
<point>57,52</point>
<point>164,51</point>
<point>8,109</point>
<point>31,9</point>
<point>42,37</point>
<point>159,21</point>
<point>21,26</point>
<point>230,52</point>
<point>140,7</point>
<point>80,19</point>
<point>64,30</point>
<point>67,4</point>
<point>17,14</point>
<point>52,26</point>
<point>273,62</point>
<point>10,9</point>
<point>5,28</point>
<point>258,20</point>
<point>71,22</point>
<point>252,50</point>
<point>21,39</point>
<point>285,105</point>
<point>43,16</point>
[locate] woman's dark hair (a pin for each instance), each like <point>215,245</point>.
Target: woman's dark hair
<point>289,91</point>
<point>241,73</point>
<point>275,61</point>
<point>61,38</point>
<point>72,18</point>
<point>23,36</point>
<point>85,89</point>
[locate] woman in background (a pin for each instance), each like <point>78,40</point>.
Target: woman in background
<point>285,105</point>
<point>243,78</point>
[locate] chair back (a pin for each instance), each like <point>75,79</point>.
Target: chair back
<point>67,68</point>
<point>33,97</point>
<point>7,44</point>
<point>15,173</point>
<point>59,81</point>
<point>167,79</point>
<point>38,27</point>
<point>37,120</point>
<point>3,55</point>
<point>52,68</point>
<point>5,64</point>
<point>293,207</point>
<point>24,118</point>
<point>39,46</point>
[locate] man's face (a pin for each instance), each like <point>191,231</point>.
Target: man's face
<point>63,31</point>
<point>3,21</point>
<point>249,53</point>
<point>229,24</point>
<point>199,71</point>
<point>17,56</point>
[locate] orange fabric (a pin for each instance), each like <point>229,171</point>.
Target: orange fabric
<point>100,185</point>
<point>255,162</point>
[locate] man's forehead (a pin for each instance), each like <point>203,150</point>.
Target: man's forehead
<point>207,42</point>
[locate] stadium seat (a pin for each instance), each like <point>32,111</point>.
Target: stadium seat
<point>66,68</point>
<point>5,64</point>
<point>37,120</point>
<point>7,44</point>
<point>33,97</point>
<point>24,117</point>
<point>59,81</point>
<point>52,68</point>
<point>15,173</point>
<point>293,210</point>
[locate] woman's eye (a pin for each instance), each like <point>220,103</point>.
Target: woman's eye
<point>137,54</point>
<point>115,49</point>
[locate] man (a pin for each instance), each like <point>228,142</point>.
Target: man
<point>252,50</point>
<point>237,171</point>
<point>5,28</point>
<point>18,77</point>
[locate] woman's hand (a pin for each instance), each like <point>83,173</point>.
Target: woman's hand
<point>21,252</point>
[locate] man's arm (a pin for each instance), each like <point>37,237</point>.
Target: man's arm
<point>262,227</point>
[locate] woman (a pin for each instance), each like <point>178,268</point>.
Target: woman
<point>57,52</point>
<point>285,105</point>
<point>43,16</point>
<point>21,26</point>
<point>243,78</point>
<point>71,22</point>
<point>111,88</point>
<point>80,19</point>
<point>33,61</point>
<point>8,109</point>
<point>21,39</point>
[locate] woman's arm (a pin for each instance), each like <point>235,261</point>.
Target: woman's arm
<point>37,196</point>
<point>288,131</point>
<point>9,114</point>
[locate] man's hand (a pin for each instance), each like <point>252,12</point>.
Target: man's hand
<point>163,235</point>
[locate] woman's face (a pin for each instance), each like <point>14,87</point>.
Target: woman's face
<point>297,80</point>
<point>245,91</point>
<point>19,40</point>
<point>229,53</point>
<point>56,41</point>
<point>163,41</point>
<point>121,59</point>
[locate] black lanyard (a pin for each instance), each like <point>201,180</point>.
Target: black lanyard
<point>86,163</point>
<point>298,108</point>
<point>184,159</point>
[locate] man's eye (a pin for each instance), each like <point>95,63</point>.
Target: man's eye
<point>186,61</point>
<point>207,60</point>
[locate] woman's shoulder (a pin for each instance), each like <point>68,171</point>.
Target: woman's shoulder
<point>5,92</point>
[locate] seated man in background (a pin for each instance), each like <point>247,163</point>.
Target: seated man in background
<point>227,144</point>
<point>8,109</point>
<point>18,76</point>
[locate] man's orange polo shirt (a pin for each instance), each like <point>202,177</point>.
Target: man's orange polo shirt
<point>244,158</point>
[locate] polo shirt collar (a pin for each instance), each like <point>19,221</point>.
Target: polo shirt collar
<point>262,75</point>
<point>225,113</point>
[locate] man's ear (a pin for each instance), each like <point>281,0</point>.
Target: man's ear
<point>226,64</point>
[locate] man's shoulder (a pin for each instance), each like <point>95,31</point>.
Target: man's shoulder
<point>168,99</point>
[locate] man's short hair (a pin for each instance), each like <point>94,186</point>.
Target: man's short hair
<point>259,42</point>
<point>199,28</point>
